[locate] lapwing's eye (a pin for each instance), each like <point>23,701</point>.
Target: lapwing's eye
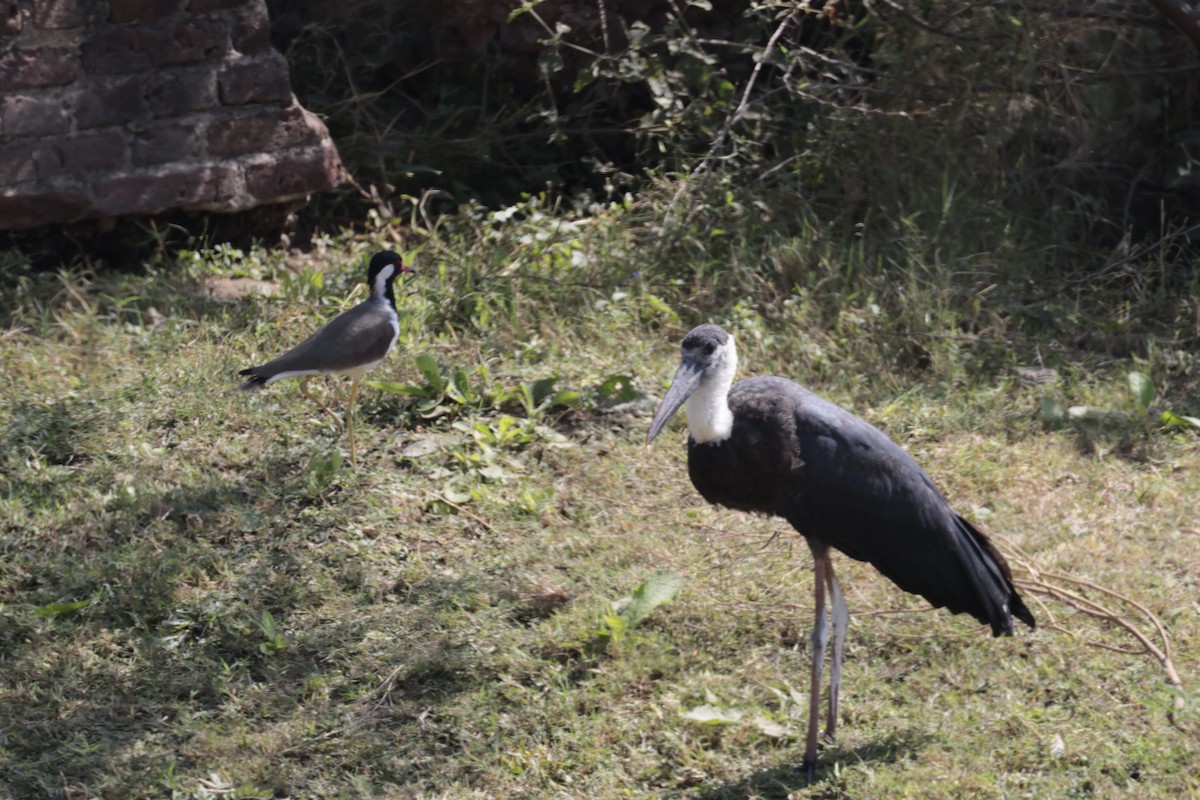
<point>709,348</point>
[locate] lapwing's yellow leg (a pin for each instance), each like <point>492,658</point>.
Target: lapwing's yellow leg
<point>350,418</point>
<point>304,391</point>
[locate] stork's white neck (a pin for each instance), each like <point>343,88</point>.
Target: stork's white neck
<point>709,417</point>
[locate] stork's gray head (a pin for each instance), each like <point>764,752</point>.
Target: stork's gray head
<point>709,361</point>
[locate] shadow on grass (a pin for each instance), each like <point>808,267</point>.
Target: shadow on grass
<point>779,782</point>
<point>171,655</point>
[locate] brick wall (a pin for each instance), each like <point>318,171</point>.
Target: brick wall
<point>118,107</point>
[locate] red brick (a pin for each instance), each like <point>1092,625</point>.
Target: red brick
<point>17,164</point>
<point>80,155</point>
<point>292,175</point>
<point>264,81</point>
<point>23,115</point>
<point>161,190</point>
<point>10,18</point>
<point>169,141</point>
<point>20,210</point>
<point>131,48</point>
<point>261,132</point>
<point>166,94</point>
<point>38,67</point>
<point>59,14</point>
<point>141,10</point>
<point>111,102</point>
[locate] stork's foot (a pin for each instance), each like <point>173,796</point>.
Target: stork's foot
<point>809,770</point>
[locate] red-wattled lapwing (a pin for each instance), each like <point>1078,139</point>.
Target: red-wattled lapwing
<point>349,344</point>
<point>771,446</point>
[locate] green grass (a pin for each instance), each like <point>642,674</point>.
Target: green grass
<point>257,619</point>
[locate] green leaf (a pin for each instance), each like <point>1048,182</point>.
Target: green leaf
<point>58,609</point>
<point>405,389</point>
<point>454,495</point>
<point>540,390</point>
<point>1142,389</point>
<point>430,372</point>
<point>659,588</point>
<point>460,389</point>
<point>565,397</point>
<point>713,715</point>
<point>771,728</point>
<point>616,389</point>
<point>1173,420</point>
<point>656,303</point>
<point>617,625</point>
<point>1050,410</point>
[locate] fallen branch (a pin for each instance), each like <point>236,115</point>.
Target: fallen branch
<point>1057,586</point>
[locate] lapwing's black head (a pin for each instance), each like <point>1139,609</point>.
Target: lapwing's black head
<point>709,356</point>
<point>382,271</point>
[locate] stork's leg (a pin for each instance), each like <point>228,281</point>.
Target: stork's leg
<point>840,619</point>
<point>350,419</point>
<point>313,398</point>
<point>820,638</point>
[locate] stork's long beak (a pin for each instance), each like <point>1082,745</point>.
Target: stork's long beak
<point>404,268</point>
<point>687,379</point>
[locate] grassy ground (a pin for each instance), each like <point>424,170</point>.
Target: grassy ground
<point>200,598</point>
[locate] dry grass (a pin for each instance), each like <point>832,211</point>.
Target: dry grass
<point>430,644</point>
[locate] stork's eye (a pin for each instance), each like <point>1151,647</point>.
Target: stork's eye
<point>709,347</point>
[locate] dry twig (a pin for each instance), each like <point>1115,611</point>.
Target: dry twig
<point>1072,591</point>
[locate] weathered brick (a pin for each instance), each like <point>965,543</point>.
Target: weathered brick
<point>250,33</point>
<point>29,210</point>
<point>131,48</point>
<point>168,93</point>
<point>24,115</point>
<point>80,155</point>
<point>264,81</point>
<point>17,164</point>
<point>142,10</point>
<point>59,14</point>
<point>261,132</point>
<point>162,189</point>
<point>111,102</point>
<point>38,67</point>
<point>292,175</point>
<point>10,18</point>
<point>169,141</point>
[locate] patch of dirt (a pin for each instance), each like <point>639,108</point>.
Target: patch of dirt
<point>232,289</point>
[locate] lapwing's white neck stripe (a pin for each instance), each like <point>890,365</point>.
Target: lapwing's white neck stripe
<point>380,287</point>
<point>709,417</point>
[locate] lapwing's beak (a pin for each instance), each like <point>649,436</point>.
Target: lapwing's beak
<point>687,379</point>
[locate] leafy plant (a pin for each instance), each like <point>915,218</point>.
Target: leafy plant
<point>274,641</point>
<point>659,588</point>
<point>322,471</point>
<point>1142,388</point>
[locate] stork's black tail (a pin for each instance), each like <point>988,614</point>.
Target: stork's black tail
<point>256,381</point>
<point>994,581</point>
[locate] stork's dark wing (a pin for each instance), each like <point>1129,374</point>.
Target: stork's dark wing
<point>842,481</point>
